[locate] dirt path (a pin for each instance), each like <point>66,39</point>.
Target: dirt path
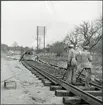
<point>29,89</point>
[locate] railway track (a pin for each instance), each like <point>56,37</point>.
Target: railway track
<point>73,93</point>
<point>81,78</point>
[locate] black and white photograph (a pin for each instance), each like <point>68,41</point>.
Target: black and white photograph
<point>51,52</point>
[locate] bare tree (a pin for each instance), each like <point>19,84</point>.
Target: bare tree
<point>85,29</point>
<point>92,33</point>
<point>86,34</point>
<point>74,38</point>
<point>98,32</point>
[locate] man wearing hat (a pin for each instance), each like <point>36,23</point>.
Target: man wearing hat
<point>86,64</point>
<point>71,65</point>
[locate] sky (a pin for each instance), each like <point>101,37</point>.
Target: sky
<point>19,19</point>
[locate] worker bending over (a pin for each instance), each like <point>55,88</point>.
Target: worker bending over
<point>21,58</point>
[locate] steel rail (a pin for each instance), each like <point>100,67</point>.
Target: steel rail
<point>39,72</point>
<point>48,65</point>
<point>92,100</point>
<point>91,83</point>
<point>96,85</point>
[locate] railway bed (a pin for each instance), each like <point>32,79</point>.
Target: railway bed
<point>81,78</point>
<point>72,94</point>
<point>58,72</point>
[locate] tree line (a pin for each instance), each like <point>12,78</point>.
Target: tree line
<point>86,33</point>
<point>15,47</point>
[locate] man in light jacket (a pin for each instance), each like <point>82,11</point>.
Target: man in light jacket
<point>72,65</point>
<point>86,64</point>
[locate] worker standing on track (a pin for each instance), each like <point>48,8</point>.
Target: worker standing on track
<point>71,65</point>
<point>86,64</point>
